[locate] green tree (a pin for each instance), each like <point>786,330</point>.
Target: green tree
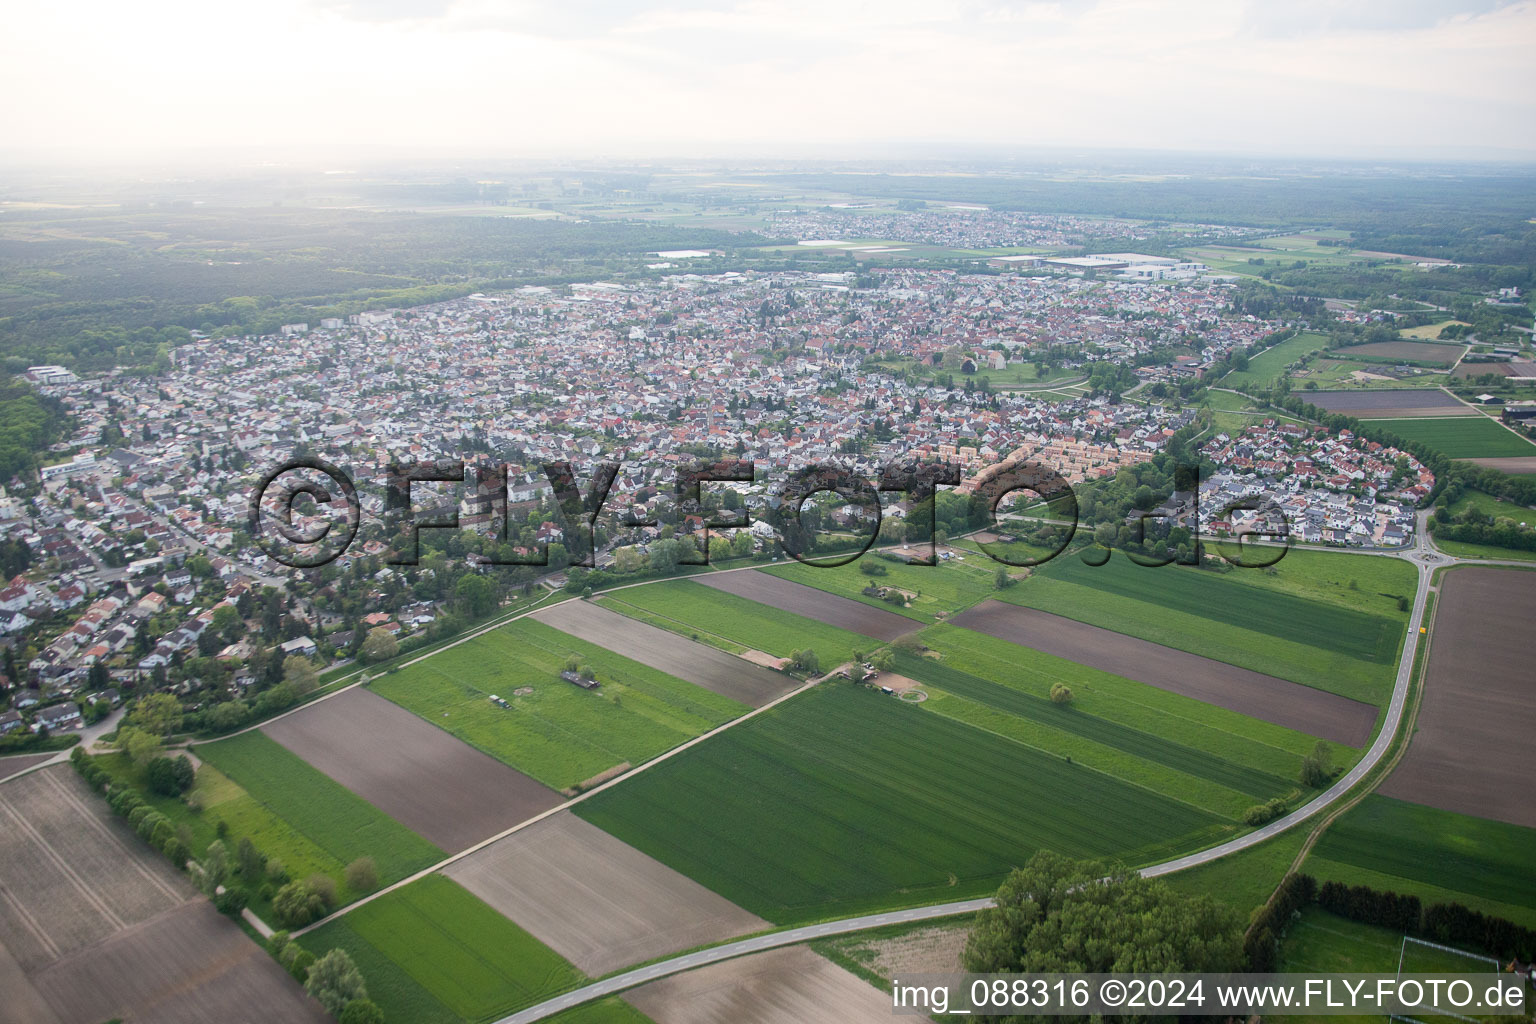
<point>380,645</point>
<point>362,875</point>
<point>1317,767</point>
<point>140,745</point>
<point>362,1011</point>
<point>476,594</point>
<point>296,905</point>
<point>334,981</point>
<point>299,673</point>
<point>156,713</point>
<point>1056,914</point>
<point>169,776</point>
<point>1061,693</point>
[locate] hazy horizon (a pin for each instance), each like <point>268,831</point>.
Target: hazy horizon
<point>311,80</point>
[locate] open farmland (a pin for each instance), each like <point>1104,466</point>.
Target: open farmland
<point>242,815</point>
<point>1305,709</point>
<point>432,953</point>
<point>1225,783</point>
<point>1511,368</point>
<point>1404,351</point>
<point>665,651</point>
<point>16,765</point>
<point>1388,404</point>
<point>1429,332</point>
<point>686,607</point>
<point>1464,437</point>
<point>787,595</point>
<point>1324,619</point>
<point>336,820</point>
<point>190,965</point>
<point>434,784</point>
<point>933,590</point>
<point>1198,753</point>
<point>844,800</point>
<point>558,733</point>
<point>1523,466</point>
<point>1440,856</point>
<point>598,903</point>
<point>1479,704</point>
<point>1270,364</point>
<point>780,986</point>
<point>95,925</point>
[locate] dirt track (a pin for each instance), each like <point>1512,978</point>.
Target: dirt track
<point>95,925</point>
<point>1303,708</point>
<point>668,652</point>
<point>1470,750</point>
<point>596,901</point>
<point>428,780</point>
<point>782,986</point>
<point>789,596</point>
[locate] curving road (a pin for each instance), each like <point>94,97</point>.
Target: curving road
<point>1423,557</point>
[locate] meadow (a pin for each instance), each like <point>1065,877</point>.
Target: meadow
<point>687,608</point>
<point>431,953</point>
<point>245,817</point>
<point>335,820</point>
<point>1269,365</point>
<point>844,800</point>
<point>560,734</point>
<point>1320,618</point>
<point>1438,855</point>
<point>1462,437</point>
<point>1491,506</point>
<point>938,589</point>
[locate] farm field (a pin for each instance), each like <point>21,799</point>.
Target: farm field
<point>1271,363</point>
<point>613,1010</point>
<point>598,903</point>
<point>1405,351</point>
<point>1524,465</point>
<point>1477,706</point>
<point>938,589</point>
<point>770,813</point>
<point>1324,619</point>
<point>336,820</point>
<point>1491,506</point>
<point>789,596</point>
<point>1511,368</point>
<point>1243,880</point>
<point>664,650</point>
<point>557,733</point>
<point>1438,855</point>
<point>1236,745</point>
<point>438,786</point>
<point>1225,784</point>
<point>191,965</point>
<point>684,606</point>
<point>1389,404</point>
<point>780,986</point>
<point>16,765</point>
<point>1327,943</point>
<point>1462,437</point>
<point>431,953</point>
<point>95,925</point>
<point>1429,332</point>
<point>1302,708</point>
<point>244,816</point>
<point>1464,549</point>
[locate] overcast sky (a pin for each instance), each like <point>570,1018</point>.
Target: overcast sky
<point>624,77</point>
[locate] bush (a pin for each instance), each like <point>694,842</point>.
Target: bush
<point>170,777</point>
<point>362,1011</point>
<point>1061,693</point>
<point>276,872</point>
<point>296,905</point>
<point>231,901</point>
<point>1259,814</point>
<point>323,886</point>
<point>362,875</point>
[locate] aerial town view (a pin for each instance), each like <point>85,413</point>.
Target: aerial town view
<point>760,514</point>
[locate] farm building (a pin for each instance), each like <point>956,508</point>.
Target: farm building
<point>576,679</point>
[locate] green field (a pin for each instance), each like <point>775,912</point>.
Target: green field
<point>245,817</point>
<point>1244,880</point>
<point>431,953</point>
<point>560,734</point>
<point>1021,710</point>
<point>1461,437</point>
<point>688,608</point>
<point>1324,619</point>
<point>844,800</point>
<point>938,590</point>
<point>1495,507</point>
<point>612,1010</point>
<point>340,823</point>
<point>1270,364</point>
<point>1438,855</point>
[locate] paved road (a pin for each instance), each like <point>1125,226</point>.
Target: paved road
<point>1422,557</point>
